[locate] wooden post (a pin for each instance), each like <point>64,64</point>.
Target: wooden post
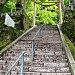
<point>60,13</point>
<point>34,13</point>
<point>23,4</point>
<point>12,7</point>
<point>62,5</point>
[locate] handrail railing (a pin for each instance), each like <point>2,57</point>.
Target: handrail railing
<point>22,56</point>
<point>22,64</point>
<point>38,32</point>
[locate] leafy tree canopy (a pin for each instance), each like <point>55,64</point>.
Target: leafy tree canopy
<point>8,6</point>
<point>66,2</point>
<point>44,14</point>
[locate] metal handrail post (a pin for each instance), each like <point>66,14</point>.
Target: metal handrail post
<point>22,64</point>
<point>32,48</point>
<point>15,62</point>
<point>40,33</point>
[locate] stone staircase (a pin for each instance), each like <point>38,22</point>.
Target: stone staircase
<point>49,59</point>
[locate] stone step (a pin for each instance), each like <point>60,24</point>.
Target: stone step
<point>49,52</point>
<point>29,59</point>
<point>40,48</point>
<point>49,57</point>
<point>37,46</point>
<point>25,42</point>
<point>35,73</point>
<point>45,69</point>
<point>47,64</point>
<point>55,73</point>
<point>42,56</point>
<point>37,50</point>
<point>50,60</point>
<point>2,72</point>
<point>42,69</point>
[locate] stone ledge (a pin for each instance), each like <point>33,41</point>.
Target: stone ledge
<point>68,52</point>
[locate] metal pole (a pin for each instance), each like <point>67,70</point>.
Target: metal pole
<point>34,13</point>
<point>14,63</point>
<point>22,64</point>
<point>60,13</point>
<point>40,33</point>
<point>32,48</point>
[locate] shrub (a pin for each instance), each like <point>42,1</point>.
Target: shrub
<point>71,46</point>
<point>68,26</point>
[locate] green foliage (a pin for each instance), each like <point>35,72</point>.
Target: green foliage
<point>3,43</point>
<point>15,34</point>
<point>68,26</point>
<point>43,0</point>
<point>8,6</point>
<point>22,24</point>
<point>66,2</point>
<point>29,6</point>
<point>71,46</point>
<point>45,17</point>
<point>42,15</point>
<point>30,14</point>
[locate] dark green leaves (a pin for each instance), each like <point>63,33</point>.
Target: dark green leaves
<point>66,2</point>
